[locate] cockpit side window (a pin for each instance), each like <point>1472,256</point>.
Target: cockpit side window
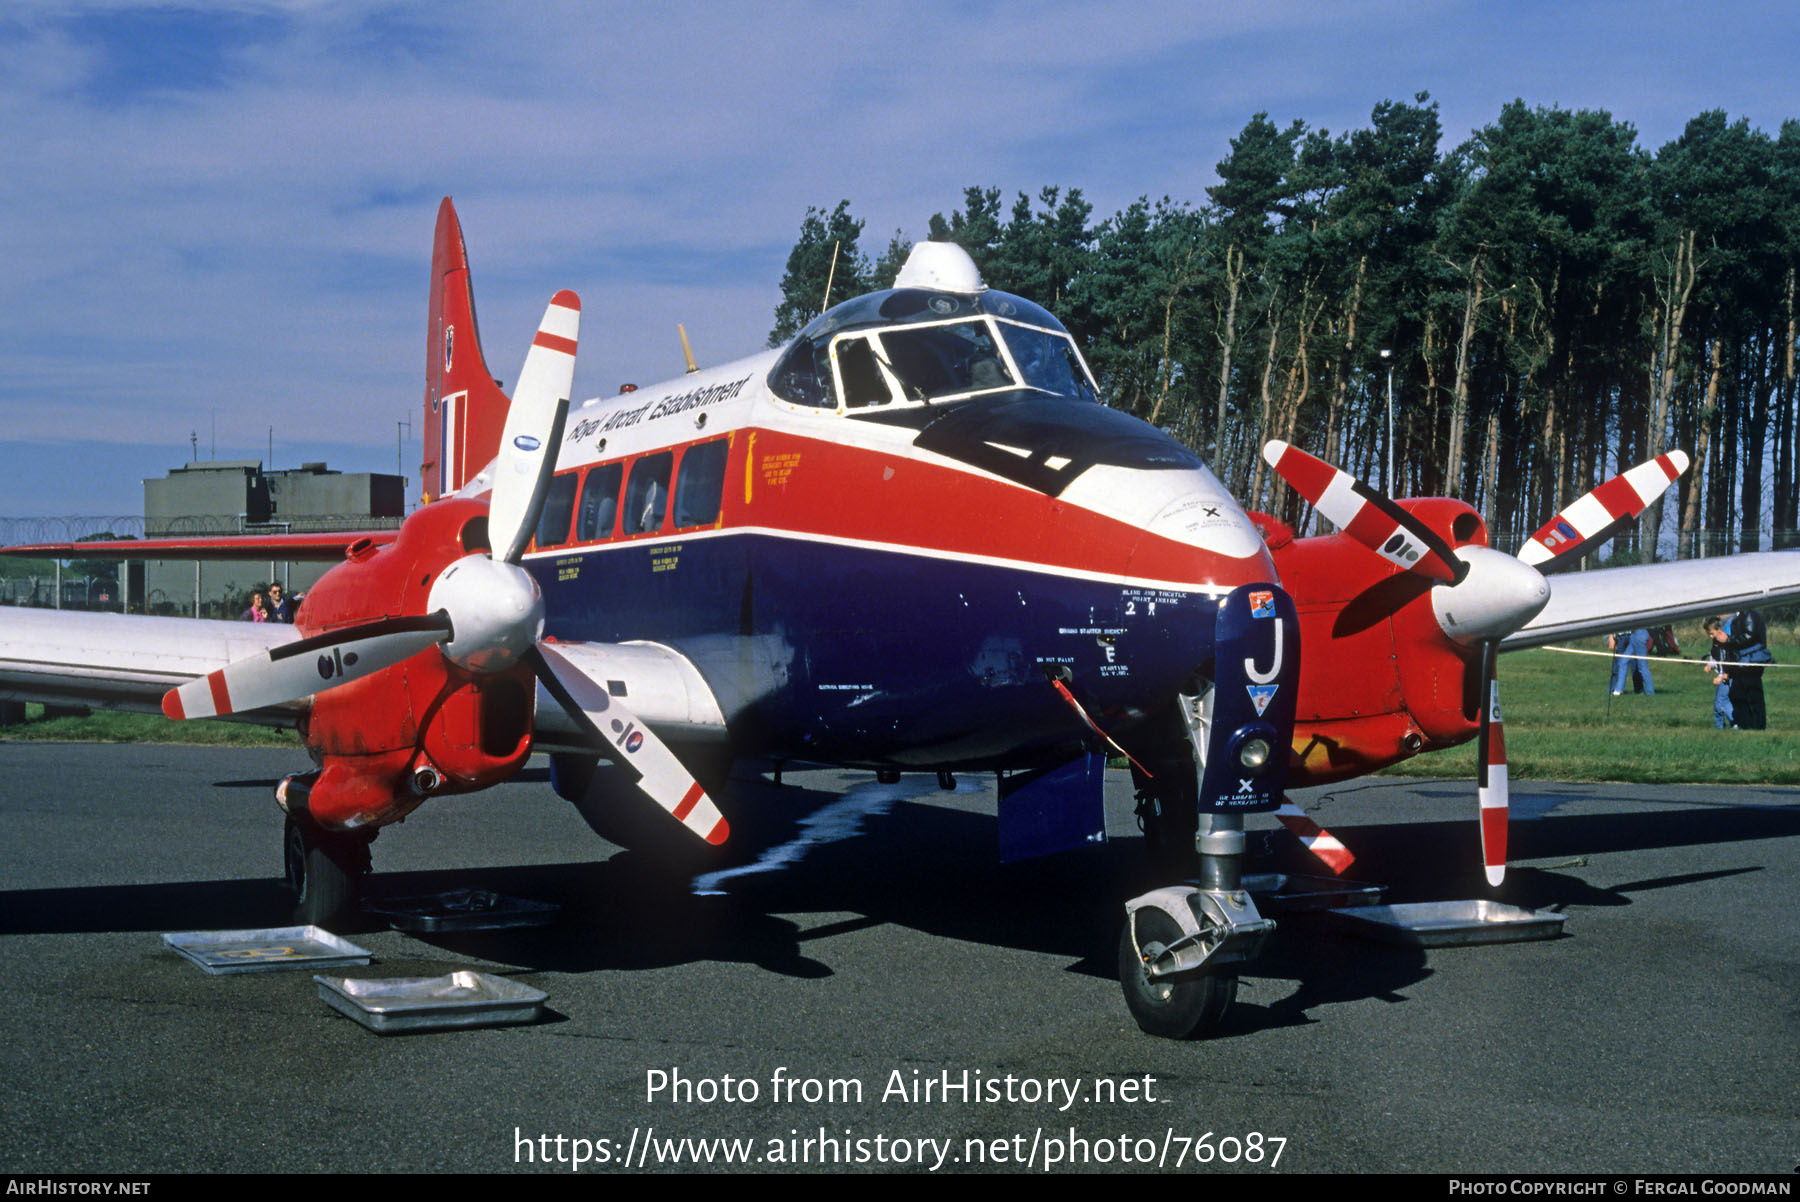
<point>860,377</point>
<point>1048,361</point>
<point>798,378</point>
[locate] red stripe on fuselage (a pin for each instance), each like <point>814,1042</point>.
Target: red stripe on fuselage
<point>812,486</point>
<point>872,496</point>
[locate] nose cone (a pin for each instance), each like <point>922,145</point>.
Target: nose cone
<point>1192,531</point>
<point>1497,596</point>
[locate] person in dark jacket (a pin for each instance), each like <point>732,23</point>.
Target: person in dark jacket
<point>1747,640</point>
<point>280,608</point>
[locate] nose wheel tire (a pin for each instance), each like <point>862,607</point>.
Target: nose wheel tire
<point>1174,1008</point>
<point>325,870</point>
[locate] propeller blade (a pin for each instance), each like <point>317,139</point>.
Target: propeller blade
<point>301,669</point>
<point>534,428</point>
<point>1380,601</point>
<point>1602,513</point>
<point>1364,514</point>
<point>1491,784</point>
<point>1315,838</point>
<point>663,779</point>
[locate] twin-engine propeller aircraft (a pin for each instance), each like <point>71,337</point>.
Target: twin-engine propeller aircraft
<point>912,539</point>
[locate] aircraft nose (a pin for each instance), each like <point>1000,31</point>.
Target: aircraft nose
<point>1200,536</point>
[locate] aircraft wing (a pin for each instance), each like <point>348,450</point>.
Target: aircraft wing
<point>286,548</point>
<point>1609,599</point>
<point>128,662</point>
<point>122,661</point>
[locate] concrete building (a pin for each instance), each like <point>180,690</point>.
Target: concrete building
<point>230,497</point>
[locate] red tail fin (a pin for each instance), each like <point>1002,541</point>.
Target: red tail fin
<point>465,410</point>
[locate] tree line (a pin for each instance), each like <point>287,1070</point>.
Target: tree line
<point>1558,303</point>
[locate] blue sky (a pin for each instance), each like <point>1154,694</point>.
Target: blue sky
<point>216,219</point>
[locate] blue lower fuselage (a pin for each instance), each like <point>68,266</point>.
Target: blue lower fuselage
<point>822,650</point>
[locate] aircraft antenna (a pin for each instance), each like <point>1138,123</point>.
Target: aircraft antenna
<point>830,278</point>
<point>687,351</point>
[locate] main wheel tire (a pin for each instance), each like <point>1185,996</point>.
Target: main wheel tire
<point>325,870</point>
<point>1181,1008</point>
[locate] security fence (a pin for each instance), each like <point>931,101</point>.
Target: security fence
<point>110,578</point>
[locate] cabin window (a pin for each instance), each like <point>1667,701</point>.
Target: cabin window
<point>599,512</point>
<point>647,495</point>
<point>559,507</point>
<point>700,487</point>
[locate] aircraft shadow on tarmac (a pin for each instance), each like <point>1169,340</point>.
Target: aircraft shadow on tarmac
<point>930,867</point>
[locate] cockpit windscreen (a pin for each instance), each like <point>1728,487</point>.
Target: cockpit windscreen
<point>935,356</point>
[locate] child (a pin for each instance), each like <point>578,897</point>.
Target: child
<point>1715,664</point>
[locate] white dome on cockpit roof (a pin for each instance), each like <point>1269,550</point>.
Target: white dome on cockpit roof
<point>941,267</point>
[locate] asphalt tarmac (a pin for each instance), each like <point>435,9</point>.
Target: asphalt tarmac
<point>816,1008</point>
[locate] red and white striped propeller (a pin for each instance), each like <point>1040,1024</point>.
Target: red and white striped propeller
<point>484,611</point>
<point>1479,595</point>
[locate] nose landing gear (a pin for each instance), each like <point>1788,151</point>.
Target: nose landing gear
<point>1181,947</point>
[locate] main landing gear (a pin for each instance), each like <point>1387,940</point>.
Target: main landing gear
<point>323,868</point>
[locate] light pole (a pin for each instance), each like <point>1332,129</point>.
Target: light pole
<point>1387,483</point>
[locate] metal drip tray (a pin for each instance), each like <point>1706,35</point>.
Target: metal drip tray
<point>1291,893</point>
<point>272,949</point>
<point>463,910</point>
<point>1449,923</point>
<point>462,999</point>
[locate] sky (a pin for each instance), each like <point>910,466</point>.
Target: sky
<point>216,220</point>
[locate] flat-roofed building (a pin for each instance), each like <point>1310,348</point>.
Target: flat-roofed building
<point>233,497</point>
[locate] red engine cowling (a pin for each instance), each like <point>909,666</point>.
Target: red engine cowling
<point>1382,694</point>
<point>425,726</point>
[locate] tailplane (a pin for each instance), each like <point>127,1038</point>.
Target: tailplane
<point>465,411</point>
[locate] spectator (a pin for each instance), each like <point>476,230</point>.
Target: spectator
<point>1717,658</point>
<point>1631,652</point>
<point>280,608</point>
<point>258,611</point>
<point>1747,640</point>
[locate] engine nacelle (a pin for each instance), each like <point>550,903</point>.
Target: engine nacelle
<point>425,726</point>
<point>1381,694</point>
